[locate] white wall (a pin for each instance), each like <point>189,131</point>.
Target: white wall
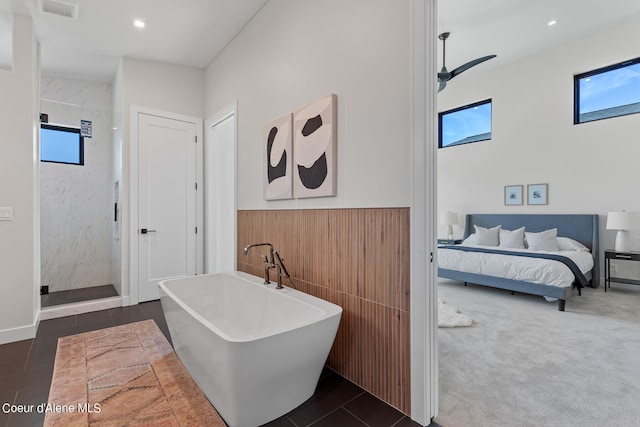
<point>76,201</point>
<point>590,168</point>
<point>173,88</point>
<point>294,52</point>
<point>20,238</point>
<point>161,86</point>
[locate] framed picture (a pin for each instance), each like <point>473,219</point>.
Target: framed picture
<point>537,194</point>
<point>512,195</point>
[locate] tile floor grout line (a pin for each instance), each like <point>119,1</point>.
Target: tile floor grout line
<point>323,417</point>
<point>26,361</point>
<point>339,407</point>
<point>111,316</point>
<point>356,417</point>
<point>398,422</point>
<point>354,398</point>
<point>292,422</point>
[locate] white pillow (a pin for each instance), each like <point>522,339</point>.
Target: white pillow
<point>512,239</point>
<point>543,241</point>
<point>567,244</point>
<point>487,236</point>
<point>471,240</point>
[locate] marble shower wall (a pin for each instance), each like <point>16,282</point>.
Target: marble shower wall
<point>76,202</point>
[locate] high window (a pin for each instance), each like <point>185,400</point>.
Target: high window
<point>59,144</point>
<point>463,125</point>
<point>607,92</point>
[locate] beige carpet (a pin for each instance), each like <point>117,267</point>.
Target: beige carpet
<point>125,375</point>
<point>523,363</point>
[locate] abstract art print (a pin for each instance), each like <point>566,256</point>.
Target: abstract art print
<point>314,149</point>
<point>512,195</point>
<point>277,159</point>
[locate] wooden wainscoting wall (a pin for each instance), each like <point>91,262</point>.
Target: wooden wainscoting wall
<point>358,259</point>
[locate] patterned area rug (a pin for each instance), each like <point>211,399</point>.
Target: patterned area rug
<point>126,375</point>
<point>448,316</point>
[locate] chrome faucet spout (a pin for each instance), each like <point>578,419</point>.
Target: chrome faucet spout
<point>246,249</point>
<point>268,262</point>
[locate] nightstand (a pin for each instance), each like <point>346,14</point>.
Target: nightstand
<point>610,254</point>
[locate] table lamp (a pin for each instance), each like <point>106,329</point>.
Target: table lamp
<point>623,222</point>
<point>449,219</point>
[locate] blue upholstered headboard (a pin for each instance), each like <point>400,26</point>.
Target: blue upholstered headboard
<point>580,227</point>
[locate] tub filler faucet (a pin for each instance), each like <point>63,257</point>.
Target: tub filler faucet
<point>273,261</point>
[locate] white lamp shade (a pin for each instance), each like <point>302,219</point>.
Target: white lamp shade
<point>623,220</point>
<point>449,218</point>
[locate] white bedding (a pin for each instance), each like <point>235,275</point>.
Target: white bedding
<point>535,270</point>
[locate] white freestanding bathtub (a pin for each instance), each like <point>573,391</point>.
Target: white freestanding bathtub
<point>256,352</point>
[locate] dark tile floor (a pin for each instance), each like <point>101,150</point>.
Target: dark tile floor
<point>77,295</point>
<point>26,368</point>
<point>338,402</point>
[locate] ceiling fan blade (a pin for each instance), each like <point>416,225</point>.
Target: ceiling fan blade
<point>470,64</point>
<point>442,86</point>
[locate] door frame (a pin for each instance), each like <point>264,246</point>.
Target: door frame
<point>423,289</point>
<point>134,182</point>
<point>227,112</point>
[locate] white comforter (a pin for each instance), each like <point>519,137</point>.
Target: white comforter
<point>536,270</point>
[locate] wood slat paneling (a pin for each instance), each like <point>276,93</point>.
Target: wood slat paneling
<point>358,259</point>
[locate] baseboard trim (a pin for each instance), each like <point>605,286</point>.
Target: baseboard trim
<point>64,310</point>
<point>18,334</point>
<point>126,301</point>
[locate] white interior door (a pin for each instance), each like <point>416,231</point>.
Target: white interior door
<point>220,192</point>
<point>167,207</point>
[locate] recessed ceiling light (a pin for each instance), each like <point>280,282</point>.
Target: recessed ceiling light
<point>552,22</point>
<point>139,23</point>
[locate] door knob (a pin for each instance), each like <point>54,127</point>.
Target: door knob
<point>146,230</point>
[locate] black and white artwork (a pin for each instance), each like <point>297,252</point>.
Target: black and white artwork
<point>314,149</point>
<point>277,159</point>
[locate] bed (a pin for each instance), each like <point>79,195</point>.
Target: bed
<point>579,228</point>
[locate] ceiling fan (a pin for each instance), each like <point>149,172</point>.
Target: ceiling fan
<point>444,75</point>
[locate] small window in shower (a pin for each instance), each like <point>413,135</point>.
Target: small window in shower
<point>60,144</point>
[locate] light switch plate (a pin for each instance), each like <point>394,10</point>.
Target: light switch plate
<point>6,214</point>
